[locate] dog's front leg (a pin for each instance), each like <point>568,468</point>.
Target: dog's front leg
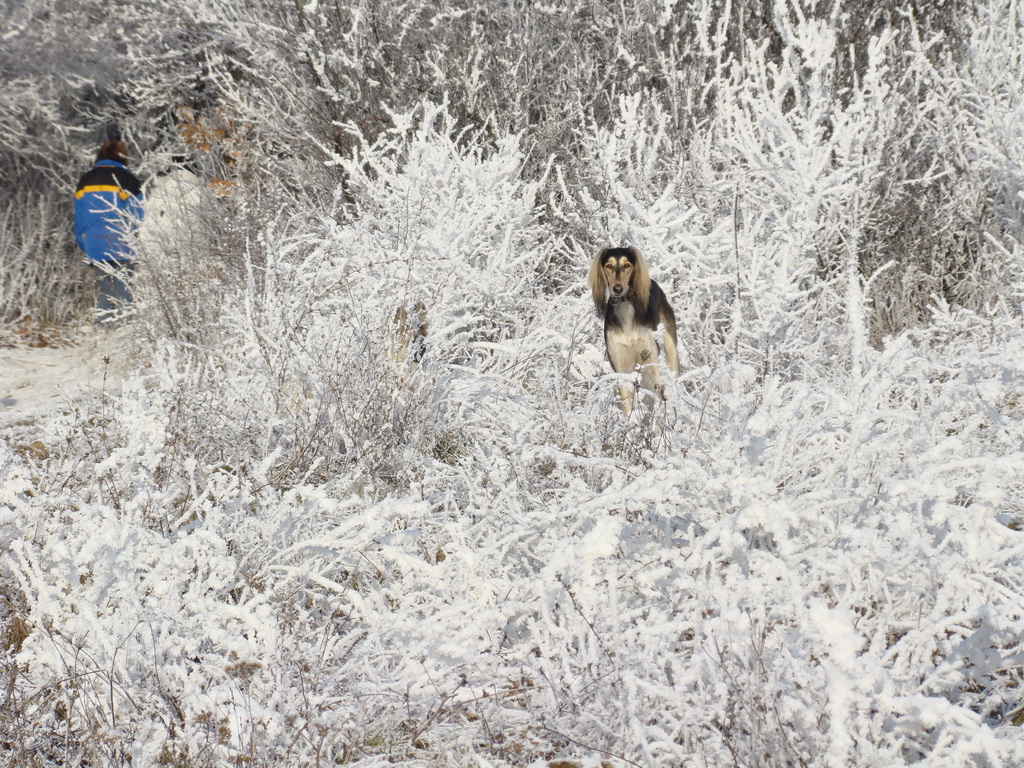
<point>626,399</point>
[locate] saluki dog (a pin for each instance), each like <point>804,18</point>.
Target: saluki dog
<point>632,305</point>
<point>408,336</point>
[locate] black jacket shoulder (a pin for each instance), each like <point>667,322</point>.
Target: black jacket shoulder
<point>110,175</point>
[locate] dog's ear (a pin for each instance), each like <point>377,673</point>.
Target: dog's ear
<point>597,282</point>
<point>641,278</point>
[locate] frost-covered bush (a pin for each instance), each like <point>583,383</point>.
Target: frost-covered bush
<point>279,543</point>
<point>809,575</point>
<point>37,293</point>
<point>286,547</point>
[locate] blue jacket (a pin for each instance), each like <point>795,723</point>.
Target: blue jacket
<point>108,206</point>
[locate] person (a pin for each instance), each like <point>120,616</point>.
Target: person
<point>108,211</point>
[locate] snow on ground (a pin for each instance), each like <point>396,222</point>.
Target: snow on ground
<point>36,382</point>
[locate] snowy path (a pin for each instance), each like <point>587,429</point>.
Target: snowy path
<point>36,382</point>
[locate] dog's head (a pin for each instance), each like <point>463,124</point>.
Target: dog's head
<point>619,273</point>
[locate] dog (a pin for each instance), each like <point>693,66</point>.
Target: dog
<point>632,305</point>
<point>408,337</point>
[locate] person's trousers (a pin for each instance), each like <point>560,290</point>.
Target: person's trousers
<point>113,290</point>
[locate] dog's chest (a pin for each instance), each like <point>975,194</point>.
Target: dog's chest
<point>622,323</point>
